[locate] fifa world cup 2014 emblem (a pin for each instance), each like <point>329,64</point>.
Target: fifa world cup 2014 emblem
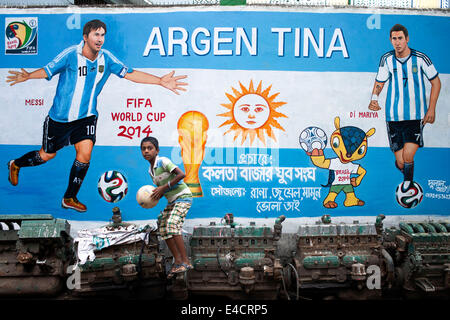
<point>192,129</point>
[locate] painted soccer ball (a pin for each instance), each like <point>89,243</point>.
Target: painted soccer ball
<point>143,197</point>
<point>312,138</point>
<point>409,196</point>
<point>112,186</point>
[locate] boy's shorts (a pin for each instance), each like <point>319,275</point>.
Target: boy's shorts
<point>171,219</point>
<point>400,132</point>
<point>60,134</point>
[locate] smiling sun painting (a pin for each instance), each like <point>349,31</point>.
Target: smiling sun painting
<point>252,113</point>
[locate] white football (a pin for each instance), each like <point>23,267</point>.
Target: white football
<point>312,138</point>
<point>112,186</point>
<point>409,195</point>
<point>143,197</point>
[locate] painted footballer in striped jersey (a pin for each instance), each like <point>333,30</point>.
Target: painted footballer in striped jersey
<point>83,70</point>
<point>407,108</point>
<point>80,82</point>
<point>406,96</point>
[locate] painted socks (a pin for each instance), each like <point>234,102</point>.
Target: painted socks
<point>77,174</point>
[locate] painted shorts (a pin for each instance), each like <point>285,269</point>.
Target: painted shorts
<point>347,188</point>
<point>171,219</point>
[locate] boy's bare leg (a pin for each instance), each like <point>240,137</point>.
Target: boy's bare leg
<point>171,243</point>
<point>179,242</point>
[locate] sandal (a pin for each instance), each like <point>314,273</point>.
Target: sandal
<point>171,274</point>
<point>179,268</point>
<point>188,266</point>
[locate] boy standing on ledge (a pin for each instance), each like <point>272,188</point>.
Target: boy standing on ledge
<point>168,179</point>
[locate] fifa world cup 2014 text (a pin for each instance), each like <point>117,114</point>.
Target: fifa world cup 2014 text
<point>138,116</point>
<point>131,132</point>
<point>139,102</point>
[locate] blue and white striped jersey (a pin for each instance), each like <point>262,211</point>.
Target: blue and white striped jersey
<point>406,96</point>
<point>80,82</point>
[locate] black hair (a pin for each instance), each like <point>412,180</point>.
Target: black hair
<point>152,140</point>
<point>399,27</point>
<point>93,25</point>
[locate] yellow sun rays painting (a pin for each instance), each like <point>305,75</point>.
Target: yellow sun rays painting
<point>252,113</point>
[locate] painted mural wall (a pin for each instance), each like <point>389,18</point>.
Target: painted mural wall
<point>274,120</point>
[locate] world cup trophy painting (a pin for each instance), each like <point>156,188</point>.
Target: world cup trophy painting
<point>192,127</point>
